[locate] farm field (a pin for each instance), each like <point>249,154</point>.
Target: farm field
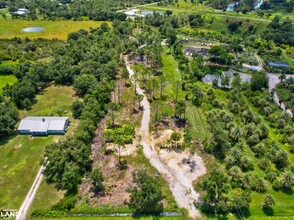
<point>53,29</point>
<point>20,155</point>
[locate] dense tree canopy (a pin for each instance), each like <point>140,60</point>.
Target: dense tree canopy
<point>146,194</point>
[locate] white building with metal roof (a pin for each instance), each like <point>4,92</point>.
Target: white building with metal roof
<point>43,125</point>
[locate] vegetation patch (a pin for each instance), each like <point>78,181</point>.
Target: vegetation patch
<point>22,154</point>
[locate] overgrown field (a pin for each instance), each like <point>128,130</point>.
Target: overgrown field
<point>20,155</point>
<point>53,29</point>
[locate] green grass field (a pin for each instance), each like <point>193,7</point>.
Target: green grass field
<point>6,79</point>
<point>113,218</point>
<point>53,29</point>
<point>20,155</point>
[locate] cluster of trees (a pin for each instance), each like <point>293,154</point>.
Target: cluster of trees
<point>285,91</point>
<point>9,115</point>
<point>278,5</point>
<point>146,194</point>
<point>74,154</point>
<point>281,32</point>
<point>51,10</point>
<point>26,49</point>
<point>236,128</point>
<point>220,55</point>
<point>120,136</point>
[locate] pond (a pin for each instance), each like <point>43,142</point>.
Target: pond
<point>33,29</point>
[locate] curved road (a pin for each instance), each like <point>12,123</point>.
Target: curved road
<point>184,194</point>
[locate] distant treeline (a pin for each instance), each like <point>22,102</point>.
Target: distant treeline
<point>281,32</point>
<point>77,9</point>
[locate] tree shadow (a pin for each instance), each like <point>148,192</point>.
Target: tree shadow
<point>5,139</point>
<point>123,165</point>
<point>153,211</point>
<point>288,191</point>
<point>268,210</point>
<point>180,123</point>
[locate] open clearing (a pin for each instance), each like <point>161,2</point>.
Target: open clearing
<point>53,29</point>
<point>20,155</point>
<point>6,79</point>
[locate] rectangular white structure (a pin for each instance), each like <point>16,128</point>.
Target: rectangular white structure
<point>43,125</point>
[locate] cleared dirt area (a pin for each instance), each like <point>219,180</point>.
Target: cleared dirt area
<point>105,155</point>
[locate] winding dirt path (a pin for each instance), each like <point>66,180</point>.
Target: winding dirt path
<point>182,190</point>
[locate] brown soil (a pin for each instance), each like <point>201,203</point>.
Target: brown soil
<point>116,180</point>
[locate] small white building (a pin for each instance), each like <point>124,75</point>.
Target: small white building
<point>22,11</point>
<point>43,125</point>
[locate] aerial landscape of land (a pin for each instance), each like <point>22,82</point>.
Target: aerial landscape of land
<point>146,109</point>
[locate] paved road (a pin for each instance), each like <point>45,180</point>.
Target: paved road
<point>30,196</point>
<point>184,194</point>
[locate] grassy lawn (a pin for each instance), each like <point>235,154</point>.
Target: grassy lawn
<point>197,122</point>
<point>46,196</point>
<point>171,74</point>
<point>55,100</point>
<point>53,29</point>
<point>114,218</point>
<point>20,155</point>
<point>6,79</point>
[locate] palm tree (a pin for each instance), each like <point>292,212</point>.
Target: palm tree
<point>271,176</point>
<point>235,172</point>
<point>259,149</point>
<point>236,133</point>
<point>268,200</point>
<point>264,164</point>
<point>235,152</point>
<point>287,179</point>
<point>264,131</point>
<point>230,161</point>
<point>246,181</point>
<point>282,158</point>
<point>245,163</point>
<point>259,185</point>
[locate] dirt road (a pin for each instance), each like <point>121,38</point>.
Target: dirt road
<point>30,196</point>
<point>273,81</point>
<point>184,194</point>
